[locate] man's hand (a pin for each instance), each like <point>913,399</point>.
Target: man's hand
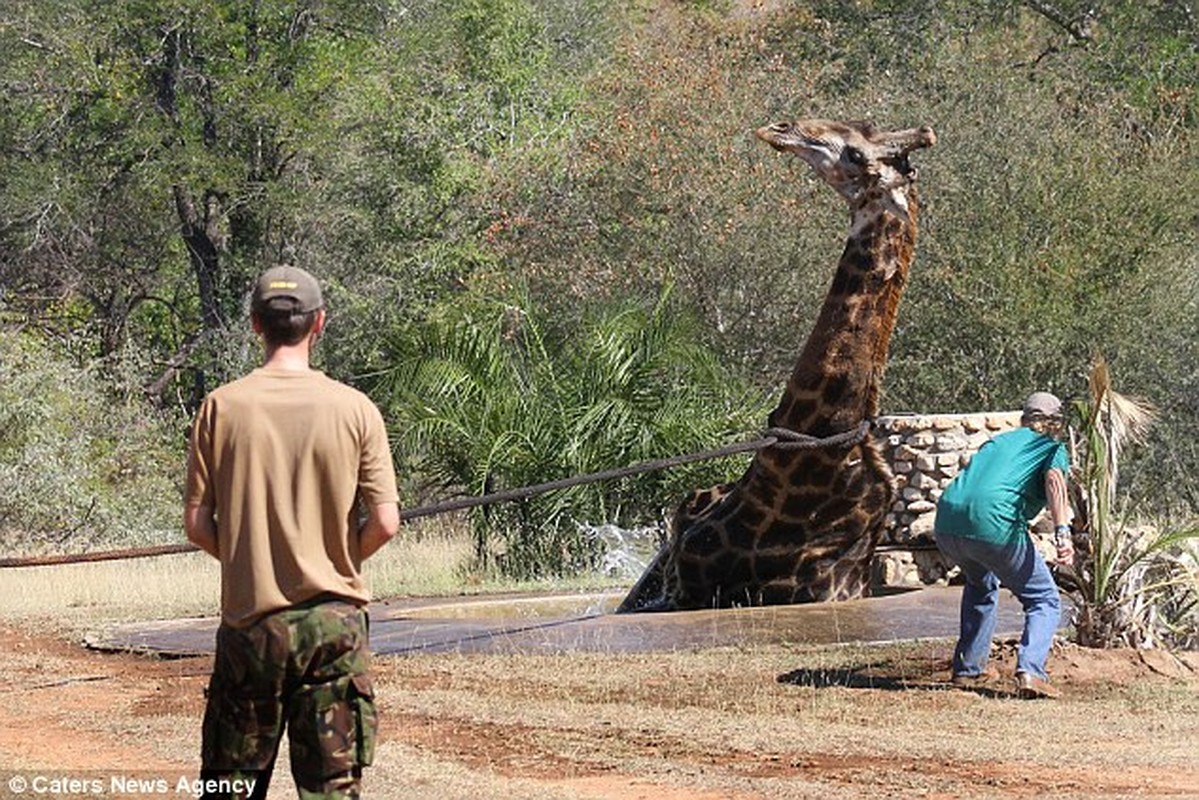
<point>1065,553</point>
<point>1063,541</point>
<point>382,523</point>
<point>200,526</point>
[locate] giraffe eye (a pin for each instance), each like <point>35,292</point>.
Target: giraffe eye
<point>855,156</point>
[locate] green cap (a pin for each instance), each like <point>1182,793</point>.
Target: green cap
<point>286,288</point>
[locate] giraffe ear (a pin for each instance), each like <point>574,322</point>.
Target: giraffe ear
<point>904,142</point>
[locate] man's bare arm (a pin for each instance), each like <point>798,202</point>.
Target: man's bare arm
<point>200,526</point>
<point>1059,509</point>
<point>381,525</point>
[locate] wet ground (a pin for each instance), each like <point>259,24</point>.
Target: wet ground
<point>584,623</point>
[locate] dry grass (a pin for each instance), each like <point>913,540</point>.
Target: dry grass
<point>148,588</point>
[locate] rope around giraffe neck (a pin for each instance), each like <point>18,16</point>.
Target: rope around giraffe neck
<point>787,439</point>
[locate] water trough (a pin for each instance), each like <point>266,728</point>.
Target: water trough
<point>576,622</point>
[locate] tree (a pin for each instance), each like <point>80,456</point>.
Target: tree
<point>158,141</point>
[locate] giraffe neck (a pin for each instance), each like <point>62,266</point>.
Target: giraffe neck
<point>835,382</point>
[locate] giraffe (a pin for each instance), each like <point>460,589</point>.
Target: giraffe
<point>802,523</point>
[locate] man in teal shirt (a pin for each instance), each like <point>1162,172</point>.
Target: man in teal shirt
<point>982,526</point>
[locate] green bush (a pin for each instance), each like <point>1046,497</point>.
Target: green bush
<point>81,467</point>
<point>492,395</point>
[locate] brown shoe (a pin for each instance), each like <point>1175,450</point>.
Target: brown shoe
<point>1030,687</point>
<point>968,681</point>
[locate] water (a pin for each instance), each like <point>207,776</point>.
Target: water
<point>520,607</point>
<point>626,551</point>
<point>565,622</point>
<point>572,623</point>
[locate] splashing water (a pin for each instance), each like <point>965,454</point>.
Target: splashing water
<point>625,551</point>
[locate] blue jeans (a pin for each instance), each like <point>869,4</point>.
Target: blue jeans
<point>1019,567</point>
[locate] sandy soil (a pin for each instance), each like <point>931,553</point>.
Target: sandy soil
<point>727,724</point>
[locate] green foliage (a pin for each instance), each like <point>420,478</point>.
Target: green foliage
<point>80,467</point>
<point>492,395</point>
<point>400,218</point>
<point>597,153</point>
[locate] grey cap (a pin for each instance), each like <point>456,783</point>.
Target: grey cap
<point>1042,404</point>
<point>286,288</point>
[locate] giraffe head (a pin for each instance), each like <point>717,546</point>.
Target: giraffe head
<point>864,164</point>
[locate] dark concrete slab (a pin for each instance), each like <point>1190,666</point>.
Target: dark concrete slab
<point>565,623</point>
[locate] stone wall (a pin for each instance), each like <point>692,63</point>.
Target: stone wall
<point>925,451</point>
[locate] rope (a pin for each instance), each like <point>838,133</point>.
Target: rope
<point>793,440</point>
<point>104,555</point>
<point>525,492</point>
<point>782,438</point>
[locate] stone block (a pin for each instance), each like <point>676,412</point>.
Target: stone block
<point>899,423</point>
<point>977,440</point>
<point>922,439</point>
<point>919,480</point>
<point>888,569</point>
<point>921,506</point>
<point>951,443</point>
<point>922,526</point>
<point>931,567</point>
<point>1003,420</point>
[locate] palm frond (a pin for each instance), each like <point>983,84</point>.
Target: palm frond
<point>1117,420</point>
<point>489,393</point>
<point>1136,588</point>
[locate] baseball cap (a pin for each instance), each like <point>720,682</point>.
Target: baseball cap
<point>1042,404</point>
<point>286,288</point>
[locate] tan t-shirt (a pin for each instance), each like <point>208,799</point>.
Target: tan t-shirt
<point>284,459</point>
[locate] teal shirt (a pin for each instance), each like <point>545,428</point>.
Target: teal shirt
<point>1002,488</point>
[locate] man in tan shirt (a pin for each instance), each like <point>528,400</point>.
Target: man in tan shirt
<point>290,485</point>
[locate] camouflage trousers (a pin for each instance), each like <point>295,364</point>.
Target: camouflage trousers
<point>304,669</point>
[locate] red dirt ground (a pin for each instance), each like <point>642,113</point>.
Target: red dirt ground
<point>64,708</point>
